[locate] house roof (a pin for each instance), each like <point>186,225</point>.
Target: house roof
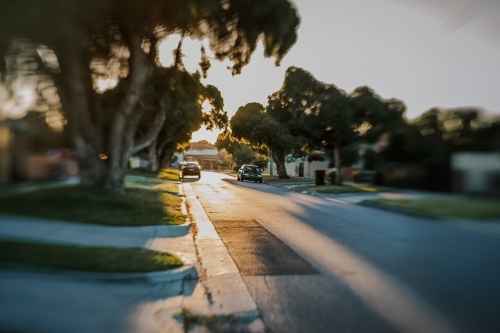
<point>203,144</point>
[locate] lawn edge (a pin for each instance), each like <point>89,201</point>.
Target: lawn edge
<point>404,211</point>
<point>186,272</point>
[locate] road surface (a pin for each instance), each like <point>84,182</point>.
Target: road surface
<point>313,265</point>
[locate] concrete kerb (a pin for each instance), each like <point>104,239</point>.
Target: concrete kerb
<point>224,287</point>
<point>182,273</point>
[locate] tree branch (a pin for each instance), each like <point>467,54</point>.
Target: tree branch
<point>153,132</point>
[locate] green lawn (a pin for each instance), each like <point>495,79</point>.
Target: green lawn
<point>165,174</point>
<point>95,259</point>
<point>351,188</point>
<point>153,184</point>
<point>467,208</point>
<point>133,207</point>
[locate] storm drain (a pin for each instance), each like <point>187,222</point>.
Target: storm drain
<point>256,251</point>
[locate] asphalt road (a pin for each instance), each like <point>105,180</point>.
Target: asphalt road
<point>370,270</point>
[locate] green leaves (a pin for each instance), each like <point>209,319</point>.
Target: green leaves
<point>253,124</point>
<point>327,115</point>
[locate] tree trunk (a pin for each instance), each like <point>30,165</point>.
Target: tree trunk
<point>125,123</point>
<point>153,156</point>
<point>338,165</point>
<point>103,150</point>
<point>153,132</point>
<point>166,160</point>
<point>73,84</point>
<point>279,158</point>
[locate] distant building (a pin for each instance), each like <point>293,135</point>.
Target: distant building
<point>474,172</point>
<point>203,152</point>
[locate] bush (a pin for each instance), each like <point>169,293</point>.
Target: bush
<point>260,162</point>
<point>315,157</point>
<point>355,176</point>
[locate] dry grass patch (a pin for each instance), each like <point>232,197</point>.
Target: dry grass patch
<point>169,174</point>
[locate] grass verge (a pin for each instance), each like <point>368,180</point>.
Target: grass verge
<point>165,174</point>
<point>467,208</point>
<point>351,188</point>
<point>133,207</point>
<point>169,174</point>
<point>94,259</point>
<point>154,184</point>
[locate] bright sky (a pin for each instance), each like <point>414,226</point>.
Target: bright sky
<point>428,53</point>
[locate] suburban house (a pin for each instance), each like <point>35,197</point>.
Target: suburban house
<point>203,152</point>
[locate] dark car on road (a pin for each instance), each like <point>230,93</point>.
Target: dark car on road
<point>191,169</point>
<point>250,172</point>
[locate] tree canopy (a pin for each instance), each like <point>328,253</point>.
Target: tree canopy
<point>252,123</point>
<point>327,116</point>
<point>433,136</point>
<point>83,43</point>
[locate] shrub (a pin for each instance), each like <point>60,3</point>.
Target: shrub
<point>315,157</point>
<point>260,162</point>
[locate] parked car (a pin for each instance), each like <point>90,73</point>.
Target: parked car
<point>191,169</point>
<point>250,172</point>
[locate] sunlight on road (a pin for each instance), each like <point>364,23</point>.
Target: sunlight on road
<point>394,302</point>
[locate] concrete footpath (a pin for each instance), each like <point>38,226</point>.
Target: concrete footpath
<point>208,290</point>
